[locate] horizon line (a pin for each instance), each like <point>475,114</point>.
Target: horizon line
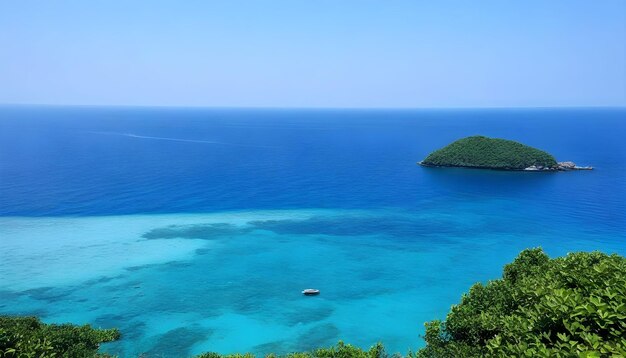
<point>309,108</point>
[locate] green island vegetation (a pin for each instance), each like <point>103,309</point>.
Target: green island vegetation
<point>489,153</point>
<point>572,306</point>
<point>29,337</point>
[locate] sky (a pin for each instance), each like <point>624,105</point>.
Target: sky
<point>314,53</point>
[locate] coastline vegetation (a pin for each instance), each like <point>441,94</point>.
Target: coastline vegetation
<point>572,306</point>
<point>489,153</point>
<point>341,350</point>
<point>29,337</point>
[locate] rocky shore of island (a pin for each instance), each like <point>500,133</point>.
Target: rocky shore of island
<point>560,166</point>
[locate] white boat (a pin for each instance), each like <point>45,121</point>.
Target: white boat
<point>311,292</point>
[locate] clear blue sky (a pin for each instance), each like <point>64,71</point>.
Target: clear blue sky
<point>314,53</point>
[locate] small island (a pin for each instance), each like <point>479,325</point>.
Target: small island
<point>494,153</point>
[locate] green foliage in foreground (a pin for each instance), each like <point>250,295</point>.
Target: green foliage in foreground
<point>573,306</point>
<point>484,152</point>
<point>29,337</point>
<point>341,350</point>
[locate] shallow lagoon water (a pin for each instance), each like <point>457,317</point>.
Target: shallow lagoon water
<point>190,247</point>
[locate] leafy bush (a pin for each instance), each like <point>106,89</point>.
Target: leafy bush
<point>341,350</point>
<point>484,152</point>
<point>573,306</point>
<point>29,337</point>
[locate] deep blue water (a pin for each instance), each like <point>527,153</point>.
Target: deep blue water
<point>220,216</point>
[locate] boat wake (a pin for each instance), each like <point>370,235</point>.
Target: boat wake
<point>131,135</point>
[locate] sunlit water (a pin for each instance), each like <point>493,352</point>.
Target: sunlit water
<point>196,230</point>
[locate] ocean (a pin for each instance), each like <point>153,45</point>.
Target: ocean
<point>196,230</point>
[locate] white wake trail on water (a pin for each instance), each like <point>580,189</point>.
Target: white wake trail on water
<point>171,139</point>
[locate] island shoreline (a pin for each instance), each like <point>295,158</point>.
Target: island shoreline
<point>480,152</point>
<point>545,170</point>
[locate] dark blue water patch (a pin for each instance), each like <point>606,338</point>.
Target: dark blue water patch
<point>198,231</point>
<point>140,267</point>
<point>202,251</point>
<point>102,279</point>
<point>128,285</point>
<point>8,296</point>
<point>109,320</point>
<point>6,310</point>
<point>397,229</point>
<point>134,330</point>
<point>177,342</point>
<point>321,335</point>
<point>272,347</point>
<point>49,294</point>
<point>394,226</point>
<point>356,225</point>
<point>176,265</point>
<point>131,332</point>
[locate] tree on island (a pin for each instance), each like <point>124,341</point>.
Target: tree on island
<point>490,153</point>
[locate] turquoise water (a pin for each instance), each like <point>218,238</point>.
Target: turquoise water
<point>195,231</point>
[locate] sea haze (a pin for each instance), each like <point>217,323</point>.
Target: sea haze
<point>195,230</point>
